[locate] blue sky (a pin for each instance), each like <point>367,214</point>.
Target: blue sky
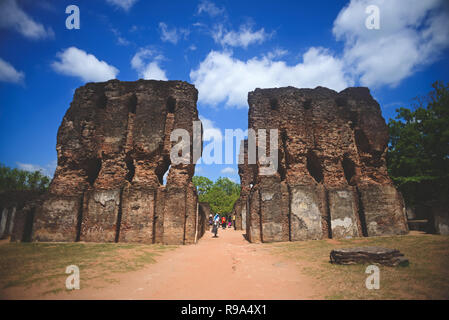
<point>225,48</point>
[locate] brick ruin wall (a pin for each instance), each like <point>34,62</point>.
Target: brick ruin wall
<point>248,174</point>
<point>205,212</point>
<point>332,179</point>
<point>113,150</point>
<point>17,211</point>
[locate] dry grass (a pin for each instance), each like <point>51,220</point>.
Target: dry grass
<point>427,276</point>
<point>28,264</point>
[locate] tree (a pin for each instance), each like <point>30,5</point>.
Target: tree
<point>202,184</point>
<point>220,195</point>
<point>418,153</point>
<point>15,179</point>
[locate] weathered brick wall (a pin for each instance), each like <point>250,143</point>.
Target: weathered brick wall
<point>113,151</point>
<point>332,178</point>
<point>204,212</point>
<point>247,173</point>
<point>17,211</point>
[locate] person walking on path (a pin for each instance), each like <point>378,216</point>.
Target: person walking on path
<point>215,229</point>
<point>233,221</point>
<point>223,222</point>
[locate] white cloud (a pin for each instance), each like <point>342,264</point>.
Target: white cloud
<point>123,4</point>
<point>411,35</point>
<point>172,35</point>
<point>13,17</point>
<point>153,71</point>
<point>276,53</point>
<point>146,63</point>
<point>120,39</point>
<point>210,131</point>
<point>78,63</point>
<point>48,170</point>
<point>223,78</point>
<point>199,25</point>
<point>228,170</point>
<point>9,74</point>
<point>242,38</point>
<point>210,8</point>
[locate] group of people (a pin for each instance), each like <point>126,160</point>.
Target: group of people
<point>224,221</point>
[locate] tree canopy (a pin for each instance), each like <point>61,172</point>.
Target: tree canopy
<point>16,179</point>
<point>221,194</point>
<point>418,153</point>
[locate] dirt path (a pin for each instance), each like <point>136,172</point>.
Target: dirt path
<point>221,268</point>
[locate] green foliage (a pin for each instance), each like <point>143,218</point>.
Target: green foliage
<point>418,154</point>
<point>202,184</point>
<point>220,195</point>
<point>15,179</point>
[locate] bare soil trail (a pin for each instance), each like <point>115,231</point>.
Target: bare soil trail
<point>227,267</point>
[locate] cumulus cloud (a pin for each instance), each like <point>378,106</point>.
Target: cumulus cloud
<point>9,74</point>
<point>210,8</point>
<point>122,4</point>
<point>210,131</point>
<point>223,78</point>
<point>13,17</point>
<point>172,35</point>
<point>47,170</point>
<point>411,35</point>
<point>146,63</point>
<point>78,63</point>
<point>228,170</point>
<point>242,38</point>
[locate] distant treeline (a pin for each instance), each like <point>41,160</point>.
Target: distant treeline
<point>16,180</point>
<point>221,194</point>
<point>418,153</point>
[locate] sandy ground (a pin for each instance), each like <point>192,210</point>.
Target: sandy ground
<point>227,267</point>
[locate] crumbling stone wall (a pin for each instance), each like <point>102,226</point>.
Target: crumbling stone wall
<point>247,173</point>
<point>204,213</point>
<point>17,210</point>
<point>113,151</point>
<point>332,178</point>
<point>439,217</point>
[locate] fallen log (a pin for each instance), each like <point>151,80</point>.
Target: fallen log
<point>365,255</point>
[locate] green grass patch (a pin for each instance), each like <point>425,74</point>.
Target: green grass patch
<point>28,264</point>
<point>427,276</point>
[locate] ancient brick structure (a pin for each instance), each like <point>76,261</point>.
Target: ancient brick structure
<point>113,151</point>
<point>332,178</point>
<point>17,210</point>
<point>248,174</point>
<point>204,213</point>
<point>114,148</point>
